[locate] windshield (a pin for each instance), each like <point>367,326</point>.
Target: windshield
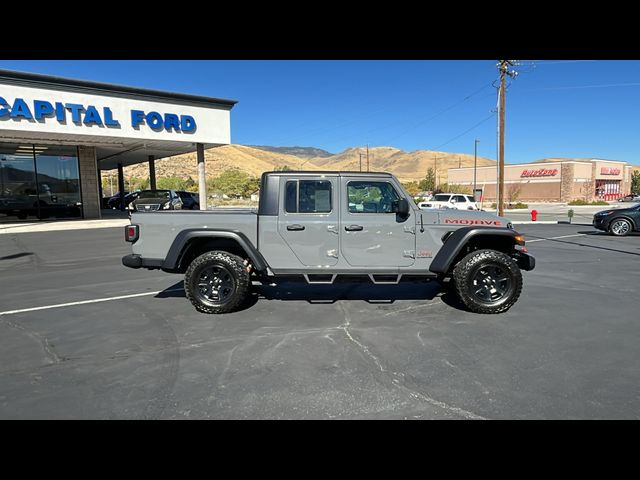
<point>155,194</point>
<point>441,198</point>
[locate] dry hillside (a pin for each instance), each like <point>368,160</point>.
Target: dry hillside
<point>407,166</point>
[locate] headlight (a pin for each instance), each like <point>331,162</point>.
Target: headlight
<point>606,213</point>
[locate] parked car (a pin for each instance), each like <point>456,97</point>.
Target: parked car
<point>152,200</point>
<point>619,222</point>
<point>114,202</point>
<point>190,200</point>
<point>457,201</point>
<point>630,198</point>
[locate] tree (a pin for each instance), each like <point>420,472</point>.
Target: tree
<point>635,182</point>
<point>283,168</point>
<point>453,188</point>
<point>412,188</point>
<point>428,184</point>
<point>235,183</point>
<point>171,183</point>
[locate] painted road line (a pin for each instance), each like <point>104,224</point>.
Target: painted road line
<point>555,238</point>
<point>84,302</point>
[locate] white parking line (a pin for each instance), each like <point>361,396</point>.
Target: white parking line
<point>554,238</point>
<point>84,302</point>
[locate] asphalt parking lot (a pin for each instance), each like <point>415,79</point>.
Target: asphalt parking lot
<point>128,345</point>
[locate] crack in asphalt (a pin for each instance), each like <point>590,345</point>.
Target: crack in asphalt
<point>48,349</point>
<point>399,379</point>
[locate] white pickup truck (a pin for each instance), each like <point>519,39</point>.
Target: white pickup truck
<point>456,201</point>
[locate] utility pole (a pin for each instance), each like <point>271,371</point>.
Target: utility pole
<point>361,155</point>
<point>367,157</point>
<point>435,171</point>
<point>475,167</point>
<point>504,68</point>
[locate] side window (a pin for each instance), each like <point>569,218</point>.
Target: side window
<point>460,199</point>
<point>308,196</point>
<point>371,197</point>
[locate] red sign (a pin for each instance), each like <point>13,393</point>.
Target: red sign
<point>541,172</point>
<point>609,171</point>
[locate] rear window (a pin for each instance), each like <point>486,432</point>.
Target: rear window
<point>442,198</point>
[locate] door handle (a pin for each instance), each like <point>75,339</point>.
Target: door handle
<point>353,228</point>
<point>295,228</point>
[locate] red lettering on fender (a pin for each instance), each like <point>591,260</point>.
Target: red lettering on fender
<point>465,221</point>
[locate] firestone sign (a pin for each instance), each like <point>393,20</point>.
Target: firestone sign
<point>541,172</point>
<point>609,171</point>
<point>42,110</point>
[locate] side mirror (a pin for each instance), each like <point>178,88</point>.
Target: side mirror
<point>402,208</point>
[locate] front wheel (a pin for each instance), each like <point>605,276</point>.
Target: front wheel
<point>620,227</point>
<point>488,281</point>
<point>217,282</point>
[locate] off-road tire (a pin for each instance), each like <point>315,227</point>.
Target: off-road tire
<point>477,267</point>
<point>232,271</point>
<point>620,227</point>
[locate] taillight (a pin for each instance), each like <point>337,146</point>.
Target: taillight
<point>131,233</point>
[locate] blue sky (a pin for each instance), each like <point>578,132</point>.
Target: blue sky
<point>555,108</point>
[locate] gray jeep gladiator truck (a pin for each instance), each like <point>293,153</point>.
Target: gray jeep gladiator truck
<point>321,225</point>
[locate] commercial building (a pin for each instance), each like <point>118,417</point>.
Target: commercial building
<point>561,180</point>
<point>57,134</point>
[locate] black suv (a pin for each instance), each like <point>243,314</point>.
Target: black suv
<point>619,222</point>
<point>190,200</point>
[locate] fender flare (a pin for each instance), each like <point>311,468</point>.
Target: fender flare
<point>458,239</point>
<point>185,236</point>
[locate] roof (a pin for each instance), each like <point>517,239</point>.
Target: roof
<point>63,83</point>
<point>316,173</point>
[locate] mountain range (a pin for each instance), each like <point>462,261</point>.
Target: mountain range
<point>254,160</point>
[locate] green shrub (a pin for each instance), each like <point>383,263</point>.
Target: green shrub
<point>519,205</point>
<point>584,202</point>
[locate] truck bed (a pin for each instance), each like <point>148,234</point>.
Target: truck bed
<point>161,227</point>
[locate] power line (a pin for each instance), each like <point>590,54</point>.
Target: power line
<point>466,131</point>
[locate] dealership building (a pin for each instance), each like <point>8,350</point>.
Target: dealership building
<point>57,134</point>
<point>561,180</point>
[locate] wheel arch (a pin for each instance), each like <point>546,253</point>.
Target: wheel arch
<point>191,243</point>
<point>467,239</point>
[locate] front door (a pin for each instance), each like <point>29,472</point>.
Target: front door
<point>372,234</point>
<point>308,220</point>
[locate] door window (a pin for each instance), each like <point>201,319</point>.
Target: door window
<point>459,199</point>
<point>371,197</point>
<point>308,196</point>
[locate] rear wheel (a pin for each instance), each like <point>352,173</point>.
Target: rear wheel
<point>620,227</point>
<point>217,282</point>
<point>488,281</point>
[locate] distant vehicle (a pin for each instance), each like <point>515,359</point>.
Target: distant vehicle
<point>456,201</point>
<point>619,222</point>
<point>190,200</point>
<point>152,200</point>
<point>114,202</point>
<point>630,198</point>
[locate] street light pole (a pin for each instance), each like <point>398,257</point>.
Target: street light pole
<point>475,166</point>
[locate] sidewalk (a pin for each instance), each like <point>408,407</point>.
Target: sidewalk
<point>112,220</point>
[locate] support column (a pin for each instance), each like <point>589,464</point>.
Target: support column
<point>202,177</point>
<point>100,193</point>
<point>152,172</point>
<point>121,185</point>
<point>89,182</point>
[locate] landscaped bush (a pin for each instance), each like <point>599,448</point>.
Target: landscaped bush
<point>512,205</point>
<point>584,202</point>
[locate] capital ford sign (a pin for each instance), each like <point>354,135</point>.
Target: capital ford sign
<point>44,111</point>
<point>609,171</point>
<point>540,172</point>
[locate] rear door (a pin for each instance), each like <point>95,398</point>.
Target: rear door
<point>308,219</point>
<point>372,235</point>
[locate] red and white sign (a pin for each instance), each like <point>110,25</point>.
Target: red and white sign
<point>609,171</point>
<point>541,172</point>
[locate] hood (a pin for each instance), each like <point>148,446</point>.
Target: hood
<point>470,218</point>
<point>617,210</point>
<point>142,201</point>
